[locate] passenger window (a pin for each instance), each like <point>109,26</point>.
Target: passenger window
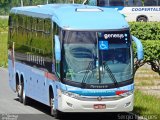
<point>138,3</point>
<point>128,2</point>
<point>116,3</point>
<point>150,2</point>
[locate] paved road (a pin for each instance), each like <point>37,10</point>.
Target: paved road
<point>11,108</point>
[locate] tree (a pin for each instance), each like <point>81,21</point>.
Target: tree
<point>151,55</point>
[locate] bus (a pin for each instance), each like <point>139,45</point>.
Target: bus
<point>80,60</point>
<point>133,10</point>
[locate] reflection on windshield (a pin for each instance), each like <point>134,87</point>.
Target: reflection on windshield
<point>81,55</point>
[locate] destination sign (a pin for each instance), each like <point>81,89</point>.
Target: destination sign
<point>113,37</point>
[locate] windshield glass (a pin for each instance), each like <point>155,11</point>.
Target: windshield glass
<point>88,54</point>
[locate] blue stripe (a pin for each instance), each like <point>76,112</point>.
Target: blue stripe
<point>96,92</point>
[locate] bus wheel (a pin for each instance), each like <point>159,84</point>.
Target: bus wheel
<point>24,97</point>
<point>20,91</point>
<point>141,19</point>
<point>54,111</point>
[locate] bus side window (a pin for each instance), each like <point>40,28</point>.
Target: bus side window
<point>129,3</point>
<point>116,3</point>
<point>138,3</point>
<point>158,2</point>
<point>101,2</point>
<point>150,2</point>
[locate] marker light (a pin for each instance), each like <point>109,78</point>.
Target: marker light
<point>124,93</point>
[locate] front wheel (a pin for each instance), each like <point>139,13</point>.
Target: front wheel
<point>54,111</point>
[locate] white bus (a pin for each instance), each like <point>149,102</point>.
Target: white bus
<point>133,10</point>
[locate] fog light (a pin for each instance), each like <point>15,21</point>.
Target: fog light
<point>69,104</point>
<point>127,104</point>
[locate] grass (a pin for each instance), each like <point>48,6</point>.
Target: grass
<point>146,105</point>
<point>146,77</point>
<point>3,49</point>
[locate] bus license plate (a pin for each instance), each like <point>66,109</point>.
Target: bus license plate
<point>99,106</point>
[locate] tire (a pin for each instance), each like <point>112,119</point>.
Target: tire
<point>53,110</point>
<point>25,99</point>
<point>20,92</point>
<point>141,19</point>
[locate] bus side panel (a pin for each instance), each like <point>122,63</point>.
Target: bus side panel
<point>35,82</point>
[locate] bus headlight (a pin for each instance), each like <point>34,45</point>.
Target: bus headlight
<point>70,94</point>
<point>124,93</point>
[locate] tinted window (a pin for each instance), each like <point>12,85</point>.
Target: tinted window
<point>77,37</point>
<point>116,3</point>
<point>128,2</point>
<point>138,2</point>
<point>150,2</point>
<point>33,45</point>
<point>102,2</point>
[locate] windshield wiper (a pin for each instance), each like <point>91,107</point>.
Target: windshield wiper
<point>110,74</point>
<point>89,68</point>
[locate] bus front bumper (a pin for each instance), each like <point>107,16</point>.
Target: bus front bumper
<point>69,104</point>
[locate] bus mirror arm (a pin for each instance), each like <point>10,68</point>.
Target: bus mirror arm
<point>139,46</point>
<point>57,48</point>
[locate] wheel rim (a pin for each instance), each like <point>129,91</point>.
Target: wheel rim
<point>52,106</point>
<point>142,20</point>
<point>19,90</point>
<point>23,95</point>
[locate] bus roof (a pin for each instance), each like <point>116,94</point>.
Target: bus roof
<point>76,16</point>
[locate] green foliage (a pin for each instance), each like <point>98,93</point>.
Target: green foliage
<point>3,49</point>
<point>151,55</point>
<point>151,50</point>
<point>3,25</point>
<point>149,34</point>
<point>146,30</point>
<point>6,5</point>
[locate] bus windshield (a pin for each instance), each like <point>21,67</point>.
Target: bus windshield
<point>93,57</point>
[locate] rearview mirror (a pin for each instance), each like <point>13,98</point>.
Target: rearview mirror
<point>139,46</point>
<point>57,48</point>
